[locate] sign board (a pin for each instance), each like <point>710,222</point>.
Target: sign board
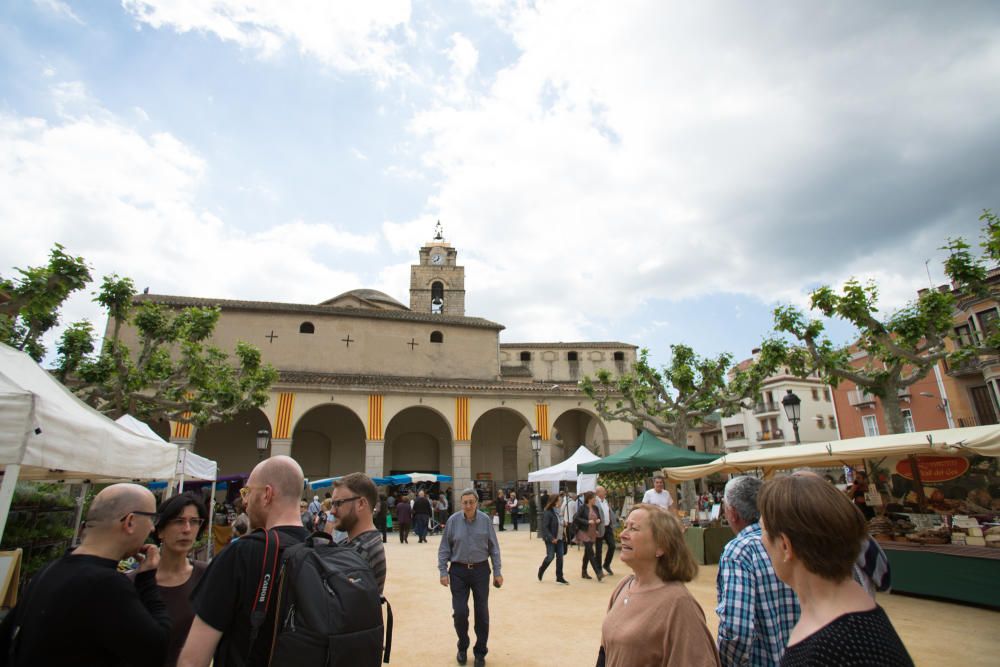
<point>934,469</point>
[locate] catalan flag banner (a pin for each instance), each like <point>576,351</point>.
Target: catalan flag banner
<point>283,420</point>
<point>375,417</point>
<point>462,418</point>
<point>542,420</point>
<point>181,430</point>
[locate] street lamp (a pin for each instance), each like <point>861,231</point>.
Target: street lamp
<point>536,447</point>
<point>263,440</point>
<point>793,410</point>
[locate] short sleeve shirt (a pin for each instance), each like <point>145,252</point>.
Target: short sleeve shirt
<point>224,597</point>
<point>662,498</point>
<point>370,544</point>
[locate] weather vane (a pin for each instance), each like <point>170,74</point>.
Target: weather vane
<point>438,232</point>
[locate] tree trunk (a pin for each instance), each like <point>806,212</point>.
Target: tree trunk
<point>891,410</point>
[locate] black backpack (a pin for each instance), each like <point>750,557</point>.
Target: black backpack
<point>329,609</point>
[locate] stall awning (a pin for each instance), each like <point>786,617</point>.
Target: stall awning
<point>646,452</point>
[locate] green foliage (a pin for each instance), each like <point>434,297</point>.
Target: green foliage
<point>40,522</point>
<point>670,401</point>
<point>29,304</point>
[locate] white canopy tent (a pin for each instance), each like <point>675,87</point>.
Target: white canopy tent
<point>566,471</point>
<point>982,440</point>
<point>47,433</point>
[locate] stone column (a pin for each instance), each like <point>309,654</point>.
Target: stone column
<point>461,465</point>
<point>374,457</point>
<point>281,446</point>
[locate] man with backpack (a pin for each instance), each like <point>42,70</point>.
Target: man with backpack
<point>225,596</point>
<point>354,497</point>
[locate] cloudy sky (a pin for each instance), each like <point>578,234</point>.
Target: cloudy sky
<point>653,172</point>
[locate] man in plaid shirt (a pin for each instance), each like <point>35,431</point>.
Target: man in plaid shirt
<point>756,610</point>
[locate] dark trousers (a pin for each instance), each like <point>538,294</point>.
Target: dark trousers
<point>553,551</point>
<point>514,516</point>
<point>502,513</point>
<point>590,556</point>
<point>609,540</point>
<point>404,531</point>
<point>477,580</point>
<point>420,526</point>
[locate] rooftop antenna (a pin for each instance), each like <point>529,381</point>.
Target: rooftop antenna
<point>439,233</point>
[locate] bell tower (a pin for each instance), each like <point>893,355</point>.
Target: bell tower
<point>437,283</point>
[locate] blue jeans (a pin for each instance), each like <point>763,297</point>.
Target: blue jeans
<point>553,551</point>
<point>477,580</point>
<point>420,525</point>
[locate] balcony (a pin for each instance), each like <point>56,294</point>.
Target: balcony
<point>858,398</point>
<point>768,436</point>
<point>764,407</point>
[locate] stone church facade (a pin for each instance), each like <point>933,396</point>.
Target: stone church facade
<point>367,383</point>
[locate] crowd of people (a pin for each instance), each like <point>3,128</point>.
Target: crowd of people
<point>794,587</point>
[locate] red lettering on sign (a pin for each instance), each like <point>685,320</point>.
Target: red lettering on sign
<point>935,468</point>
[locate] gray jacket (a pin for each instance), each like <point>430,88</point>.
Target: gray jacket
<point>612,519</point>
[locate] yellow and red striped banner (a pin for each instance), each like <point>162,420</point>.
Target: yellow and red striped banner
<point>542,420</point>
<point>283,420</point>
<point>462,418</point>
<point>375,417</point>
<point>182,430</point>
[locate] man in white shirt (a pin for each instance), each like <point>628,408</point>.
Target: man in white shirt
<point>606,536</point>
<point>657,495</point>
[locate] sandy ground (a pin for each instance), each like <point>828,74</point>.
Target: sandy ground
<point>534,623</point>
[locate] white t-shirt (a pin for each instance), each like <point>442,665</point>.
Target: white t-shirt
<point>662,498</point>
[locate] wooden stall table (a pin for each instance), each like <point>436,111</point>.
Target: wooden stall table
<point>951,572</point>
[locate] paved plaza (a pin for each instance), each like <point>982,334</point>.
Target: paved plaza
<point>536,623</point>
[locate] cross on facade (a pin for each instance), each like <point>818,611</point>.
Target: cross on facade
<point>413,343</point>
<point>349,340</point>
<point>271,336</point>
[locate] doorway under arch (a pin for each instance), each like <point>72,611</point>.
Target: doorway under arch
<point>577,427</point>
<point>417,439</point>
<point>233,444</point>
<point>328,441</point>
<point>500,446</point>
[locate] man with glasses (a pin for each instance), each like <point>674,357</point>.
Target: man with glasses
<point>354,497</point>
<point>467,546</point>
<point>225,595</point>
<point>102,617</point>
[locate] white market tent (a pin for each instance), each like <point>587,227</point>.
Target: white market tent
<point>189,464</point>
<point>981,440</point>
<point>47,433</point>
<point>566,471</point>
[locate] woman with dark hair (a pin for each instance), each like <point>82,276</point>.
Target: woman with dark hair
<point>180,524</point>
<point>588,524</point>
<point>552,536</point>
<point>813,533</point>
<point>652,618</point>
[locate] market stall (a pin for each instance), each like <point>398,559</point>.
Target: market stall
<point>936,493</point>
<point>566,471</point>
<point>47,433</point>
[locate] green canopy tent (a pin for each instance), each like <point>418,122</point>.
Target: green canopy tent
<point>647,452</point>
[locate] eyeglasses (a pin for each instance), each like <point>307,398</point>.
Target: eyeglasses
<point>153,516</point>
<point>182,521</point>
<point>245,491</point>
<point>337,503</point>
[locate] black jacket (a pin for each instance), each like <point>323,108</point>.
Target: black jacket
<point>582,518</point>
<point>550,526</point>
<point>421,506</point>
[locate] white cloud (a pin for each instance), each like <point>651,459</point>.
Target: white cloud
<point>126,201</point>
<point>358,154</point>
<point>347,36</point>
<point>60,9</point>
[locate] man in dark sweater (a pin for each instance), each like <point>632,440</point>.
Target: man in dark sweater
<point>421,515</point>
<point>103,618</point>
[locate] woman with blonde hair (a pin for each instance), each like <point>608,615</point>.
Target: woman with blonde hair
<point>652,618</point>
<point>812,533</point>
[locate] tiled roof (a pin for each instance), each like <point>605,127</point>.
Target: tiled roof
<point>439,384</point>
<point>561,346</point>
<point>309,309</point>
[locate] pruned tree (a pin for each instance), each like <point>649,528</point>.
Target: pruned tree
<point>970,275</point>
<point>671,401</point>
<point>169,372</point>
<point>899,349</point>
<point>30,303</point>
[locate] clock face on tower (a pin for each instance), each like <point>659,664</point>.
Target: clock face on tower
<point>437,258</point>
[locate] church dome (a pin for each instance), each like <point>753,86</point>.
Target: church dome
<point>364,298</point>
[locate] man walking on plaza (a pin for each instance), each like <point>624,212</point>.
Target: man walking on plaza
<point>80,610</point>
<point>657,495</point>
<point>468,543</point>
<point>421,515</point>
<point>606,531</point>
<point>756,610</point>
<point>225,595</point>
<point>354,496</point>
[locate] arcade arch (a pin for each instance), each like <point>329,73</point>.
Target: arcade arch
<point>577,427</point>
<point>329,440</point>
<point>417,439</point>
<point>500,446</point>
<point>234,443</point>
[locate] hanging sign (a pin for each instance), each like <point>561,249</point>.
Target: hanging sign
<point>935,469</point>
